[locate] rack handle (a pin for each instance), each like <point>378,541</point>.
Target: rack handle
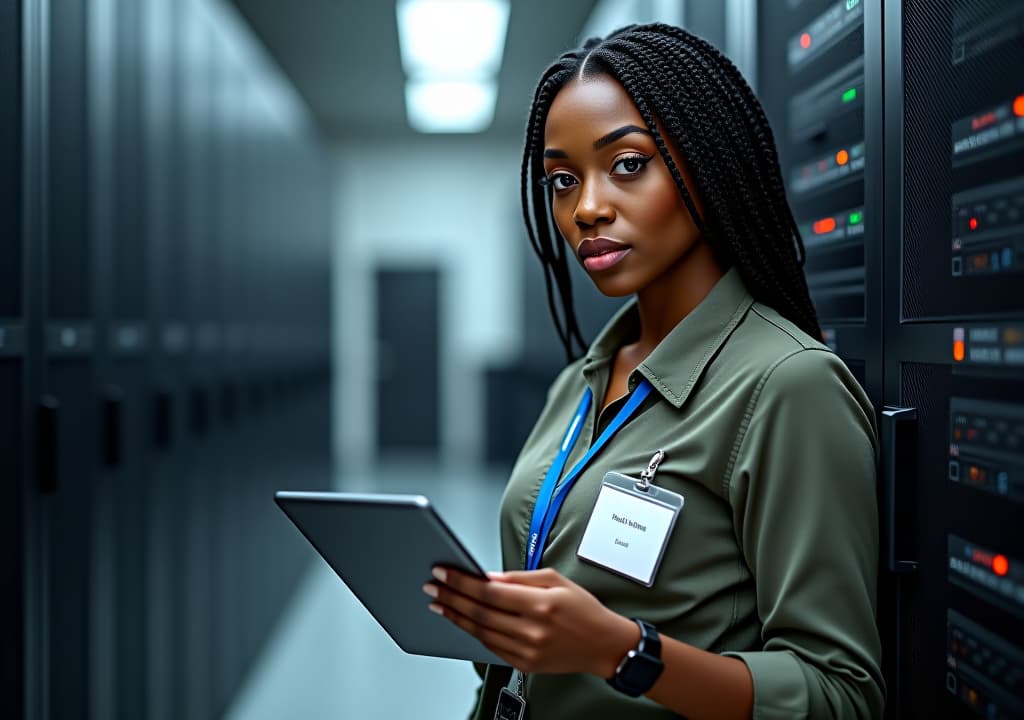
<point>113,403</point>
<point>47,419</point>
<point>898,474</point>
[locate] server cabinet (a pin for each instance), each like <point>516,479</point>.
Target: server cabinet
<point>12,526</point>
<point>942,139</point>
<point>955,352</point>
<point>67,292</point>
<point>815,81</point>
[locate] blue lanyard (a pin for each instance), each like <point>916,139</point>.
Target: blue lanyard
<point>552,493</point>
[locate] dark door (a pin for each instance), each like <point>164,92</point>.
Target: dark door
<point>408,362</point>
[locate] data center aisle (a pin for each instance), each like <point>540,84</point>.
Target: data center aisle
<point>327,657</point>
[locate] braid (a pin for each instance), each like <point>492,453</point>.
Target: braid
<point>687,90</point>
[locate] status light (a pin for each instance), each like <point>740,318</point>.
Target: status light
<point>850,95</point>
<point>805,41</point>
<point>856,218</point>
<point>1018,106</point>
<point>1000,565</point>
<point>973,223</point>
<point>842,157</point>
<point>958,350</point>
<point>825,225</point>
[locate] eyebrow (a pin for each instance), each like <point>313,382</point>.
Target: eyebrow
<point>603,141</point>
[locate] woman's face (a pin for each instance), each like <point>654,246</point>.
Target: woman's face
<point>613,198</point>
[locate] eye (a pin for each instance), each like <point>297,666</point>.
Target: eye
<point>559,181</point>
<point>630,164</point>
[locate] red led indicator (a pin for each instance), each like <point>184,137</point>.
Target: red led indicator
<point>805,41</point>
<point>842,157</point>
<point>825,225</point>
<point>973,223</point>
<point>1000,565</point>
<point>1018,106</point>
<point>985,120</point>
<point>958,350</point>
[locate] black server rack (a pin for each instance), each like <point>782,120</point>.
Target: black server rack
<point>164,354</point>
<point>954,351</point>
<point>922,101</point>
<point>812,82</point>
<point>12,346</point>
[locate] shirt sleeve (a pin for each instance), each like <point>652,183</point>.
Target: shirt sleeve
<point>802,489</point>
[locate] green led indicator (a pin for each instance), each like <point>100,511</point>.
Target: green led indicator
<point>856,218</point>
<point>850,95</point>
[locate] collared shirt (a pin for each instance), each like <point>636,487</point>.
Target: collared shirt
<point>772,443</point>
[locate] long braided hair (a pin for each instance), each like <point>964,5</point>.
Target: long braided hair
<point>712,116</point>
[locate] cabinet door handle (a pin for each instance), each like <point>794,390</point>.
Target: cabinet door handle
<point>162,418</point>
<point>46,458</point>
<point>113,402</point>
<point>898,479</point>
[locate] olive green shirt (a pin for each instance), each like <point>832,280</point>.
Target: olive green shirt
<point>773,560</point>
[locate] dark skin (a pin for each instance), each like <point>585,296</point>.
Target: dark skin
<point>608,181</point>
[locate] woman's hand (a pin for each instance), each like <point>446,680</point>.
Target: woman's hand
<point>537,621</point>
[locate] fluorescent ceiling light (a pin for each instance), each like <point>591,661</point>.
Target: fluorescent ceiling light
<point>452,39</point>
<point>456,107</point>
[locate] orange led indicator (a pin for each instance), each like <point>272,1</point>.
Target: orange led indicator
<point>1018,106</point>
<point>825,225</point>
<point>973,223</point>
<point>958,350</point>
<point>842,157</point>
<point>1000,565</point>
<point>805,42</point>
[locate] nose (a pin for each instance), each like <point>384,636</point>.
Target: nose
<point>593,206</point>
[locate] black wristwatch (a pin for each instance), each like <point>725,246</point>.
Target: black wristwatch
<point>641,667</point>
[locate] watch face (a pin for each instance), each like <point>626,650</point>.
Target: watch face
<point>638,672</point>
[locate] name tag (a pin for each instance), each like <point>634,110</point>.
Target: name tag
<point>629,528</point>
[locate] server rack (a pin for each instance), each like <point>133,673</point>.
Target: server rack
<point>943,350</point>
<point>12,347</point>
<point>165,261</point>
<point>954,129</point>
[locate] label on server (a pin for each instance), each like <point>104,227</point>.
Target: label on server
<point>988,229</point>
<point>989,133</point>
<point>991,575</point>
<point>986,446</point>
<point>824,32</point>
<point>982,669</point>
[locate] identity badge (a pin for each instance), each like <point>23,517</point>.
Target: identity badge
<point>630,525</point>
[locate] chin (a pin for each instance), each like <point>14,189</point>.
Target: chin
<point>614,287</point>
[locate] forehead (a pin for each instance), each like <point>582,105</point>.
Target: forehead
<point>589,108</point>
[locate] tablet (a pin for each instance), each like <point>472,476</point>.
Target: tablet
<point>383,547</point>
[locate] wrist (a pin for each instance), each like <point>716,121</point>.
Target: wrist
<point>622,636</point>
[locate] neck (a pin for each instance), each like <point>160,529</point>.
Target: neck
<point>665,302</point>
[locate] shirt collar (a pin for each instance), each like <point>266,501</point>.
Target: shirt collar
<point>676,364</point>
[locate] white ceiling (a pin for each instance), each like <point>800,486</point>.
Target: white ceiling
<point>342,56</point>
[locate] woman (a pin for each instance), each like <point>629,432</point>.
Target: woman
<point>737,579</point>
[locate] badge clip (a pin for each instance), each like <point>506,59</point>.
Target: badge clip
<point>648,474</point>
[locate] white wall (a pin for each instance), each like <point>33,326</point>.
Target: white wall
<point>450,201</point>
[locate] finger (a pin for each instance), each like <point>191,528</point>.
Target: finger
<point>505,596</point>
<point>507,648</point>
<point>543,578</point>
<point>503,621</point>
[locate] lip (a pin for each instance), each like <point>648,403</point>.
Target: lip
<point>599,246</point>
<point>601,253</point>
